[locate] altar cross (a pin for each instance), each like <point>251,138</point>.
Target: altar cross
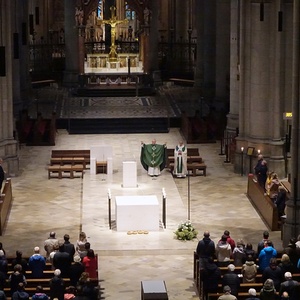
<point>113,22</point>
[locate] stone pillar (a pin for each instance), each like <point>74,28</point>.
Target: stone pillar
<point>182,20</point>
<point>71,45</point>
<point>292,225</point>
<point>154,36</point>
<point>206,44</point>
<point>235,65</point>
<point>8,146</point>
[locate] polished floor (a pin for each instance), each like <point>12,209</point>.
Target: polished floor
<point>217,202</point>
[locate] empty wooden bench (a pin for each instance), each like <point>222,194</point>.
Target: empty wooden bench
<point>59,171</point>
<point>70,157</point>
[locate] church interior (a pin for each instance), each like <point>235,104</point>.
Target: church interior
<point>83,75</point>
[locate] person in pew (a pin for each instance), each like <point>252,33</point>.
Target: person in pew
<point>88,289</point>
<point>238,253</point>
<point>49,243</point>
<point>268,291</point>
<point>20,294</point>
<point>76,269</point>
<point>180,160</point>
<point>252,294</point>
<point>280,202</point>
<point>227,294</point>
<point>80,294</point>
<point>265,255</point>
<point>69,247</point>
<point>51,255</point>
<point>37,264</point>
<point>261,171</point>
<point>285,264</point>
<point>62,260</point>
<point>19,260</point>
<point>262,243</point>
<point>223,252</point>
<point>15,278</point>
<point>39,294</point>
<point>57,286</point>
<point>232,279</point>
<point>290,286</point>
<point>205,249</point>
<point>230,240</point>
<point>153,157</point>
<point>91,264</point>
<point>249,270</point>
<point>273,272</point>
<point>210,276</point>
<point>3,262</point>
<point>249,251</point>
<point>80,244</point>
<point>293,252</point>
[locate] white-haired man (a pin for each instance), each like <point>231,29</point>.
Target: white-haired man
<point>290,286</point>
<point>37,263</point>
<point>252,294</point>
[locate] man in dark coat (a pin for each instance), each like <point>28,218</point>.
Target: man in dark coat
<point>232,279</point>
<point>211,275</point>
<point>205,249</point>
<point>69,247</point>
<point>62,261</point>
<point>76,269</point>
<point>290,286</point>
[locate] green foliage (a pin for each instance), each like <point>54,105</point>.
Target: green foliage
<point>186,231</point>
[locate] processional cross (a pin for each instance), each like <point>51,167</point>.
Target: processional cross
<point>113,22</point>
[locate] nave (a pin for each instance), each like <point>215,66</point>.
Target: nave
<point>218,202</point>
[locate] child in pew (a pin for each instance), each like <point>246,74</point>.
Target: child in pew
<point>39,294</point>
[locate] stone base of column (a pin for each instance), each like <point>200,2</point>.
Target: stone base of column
<point>70,79</point>
<point>232,122</point>
<point>291,228</point>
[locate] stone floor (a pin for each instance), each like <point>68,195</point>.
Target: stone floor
<point>217,202</point>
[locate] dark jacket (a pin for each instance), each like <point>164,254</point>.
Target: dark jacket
<point>76,270</point>
<point>57,288</point>
<point>292,287</point>
<point>210,276</point>
<point>206,248</point>
<point>274,273</point>
<point>232,279</point>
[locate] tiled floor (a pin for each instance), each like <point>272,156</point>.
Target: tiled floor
<point>217,202</point>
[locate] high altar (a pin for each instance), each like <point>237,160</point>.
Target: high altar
<point>112,62</point>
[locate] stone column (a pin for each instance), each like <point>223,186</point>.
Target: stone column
<point>292,225</point>
<point>71,45</point>
<point>182,20</point>
<point>8,146</point>
<point>235,65</point>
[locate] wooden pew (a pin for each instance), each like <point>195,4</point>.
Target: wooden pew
<point>62,170</point>
<point>263,204</point>
<point>70,157</point>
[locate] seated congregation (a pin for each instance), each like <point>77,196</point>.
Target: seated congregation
<point>244,271</point>
<point>66,271</point>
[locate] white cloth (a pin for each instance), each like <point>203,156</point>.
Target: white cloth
<point>180,162</point>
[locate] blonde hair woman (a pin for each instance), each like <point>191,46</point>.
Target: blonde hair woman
<point>80,244</point>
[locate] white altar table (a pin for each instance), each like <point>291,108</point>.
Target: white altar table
<point>137,213</point>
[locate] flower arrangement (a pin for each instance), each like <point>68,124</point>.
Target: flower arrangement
<point>186,231</point>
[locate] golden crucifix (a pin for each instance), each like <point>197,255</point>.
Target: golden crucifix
<point>113,22</point>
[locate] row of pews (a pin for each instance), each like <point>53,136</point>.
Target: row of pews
<point>32,282</point>
<point>195,162</point>
<point>244,287</point>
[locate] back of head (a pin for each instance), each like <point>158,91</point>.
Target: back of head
<point>240,243</point>
<point>206,234</point>
<point>227,289</point>
<point>90,253</point>
<point>269,243</point>
<point>52,234</point>
<point>266,234</point>
<point>61,246</point>
<point>66,237</point>
<point>252,292</point>
<point>20,286</point>
<point>18,268</point>
<point>285,258</point>
<point>18,254</point>
<point>227,233</point>
<point>249,246</point>
<point>288,275</point>
<point>273,261</point>
<point>268,285</point>
<point>57,272</point>
<point>224,238</point>
<point>231,267</point>
<point>36,250</point>
<point>39,289</point>
<point>87,246</point>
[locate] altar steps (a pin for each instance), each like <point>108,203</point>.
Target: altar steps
<point>116,91</point>
<point>120,125</point>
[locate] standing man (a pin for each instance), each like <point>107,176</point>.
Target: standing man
<point>205,249</point>
<point>2,174</point>
<point>153,158</point>
<point>49,243</point>
<point>180,162</point>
